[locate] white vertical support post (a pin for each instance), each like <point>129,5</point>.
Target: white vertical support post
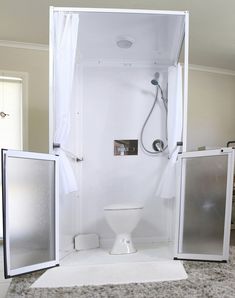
<point>57,223</point>
<point>51,79</point>
<point>185,108</point>
<point>177,206</point>
<point>25,111</point>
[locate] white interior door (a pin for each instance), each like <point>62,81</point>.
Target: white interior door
<point>205,200</point>
<point>30,211</point>
<point>12,117</point>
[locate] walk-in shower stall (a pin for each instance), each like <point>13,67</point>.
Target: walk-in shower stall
<point>118,119</point>
<point>117,103</point>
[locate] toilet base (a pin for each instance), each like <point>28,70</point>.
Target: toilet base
<point>123,245</point>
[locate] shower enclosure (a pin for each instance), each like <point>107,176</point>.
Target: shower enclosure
<point>105,68</point>
<point>117,54</point>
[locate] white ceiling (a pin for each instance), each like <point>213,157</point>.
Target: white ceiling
<point>212,23</point>
<point>156,38</point>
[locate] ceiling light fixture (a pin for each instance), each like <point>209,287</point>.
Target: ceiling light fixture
<point>124,42</point>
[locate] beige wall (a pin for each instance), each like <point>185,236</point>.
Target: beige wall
<point>211,109</point>
<point>35,63</point>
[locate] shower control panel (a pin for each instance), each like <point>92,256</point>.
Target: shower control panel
<point>125,147</point>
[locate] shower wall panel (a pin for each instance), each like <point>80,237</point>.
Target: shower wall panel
<point>116,101</point>
<point>70,203</point>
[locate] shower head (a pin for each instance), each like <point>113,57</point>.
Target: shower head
<point>155,80</point>
<point>157,75</point>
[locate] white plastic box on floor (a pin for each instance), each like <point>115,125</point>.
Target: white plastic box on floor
<point>86,241</point>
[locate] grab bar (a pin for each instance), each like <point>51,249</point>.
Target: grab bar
<point>70,154</point>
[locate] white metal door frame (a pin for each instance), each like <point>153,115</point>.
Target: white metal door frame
<point>181,199</point>
<point>185,91</point>
<point>39,156</point>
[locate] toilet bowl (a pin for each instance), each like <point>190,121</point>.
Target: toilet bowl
<point>123,218</point>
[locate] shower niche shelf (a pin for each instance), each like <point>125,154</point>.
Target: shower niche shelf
<point>125,147</point>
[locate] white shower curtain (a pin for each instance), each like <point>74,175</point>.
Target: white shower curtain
<point>167,185</point>
<point>64,55</point>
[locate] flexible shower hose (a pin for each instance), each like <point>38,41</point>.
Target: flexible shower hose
<point>146,121</point>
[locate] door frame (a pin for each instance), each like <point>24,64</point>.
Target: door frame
<point>181,199</point>
<point>6,247</point>
<point>25,104</point>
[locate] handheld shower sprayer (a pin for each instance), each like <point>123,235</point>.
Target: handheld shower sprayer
<point>158,145</point>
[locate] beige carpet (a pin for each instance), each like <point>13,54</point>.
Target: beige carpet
<point>205,279</point>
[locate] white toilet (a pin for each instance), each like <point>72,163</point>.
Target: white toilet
<point>123,218</point>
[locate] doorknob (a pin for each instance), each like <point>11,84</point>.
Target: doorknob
<point>3,115</point>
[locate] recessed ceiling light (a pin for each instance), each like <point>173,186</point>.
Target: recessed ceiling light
<point>124,42</point>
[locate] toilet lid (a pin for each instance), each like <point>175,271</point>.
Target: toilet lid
<point>123,207</point>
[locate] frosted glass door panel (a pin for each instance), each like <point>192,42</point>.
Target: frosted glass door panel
<point>204,203</point>
<point>29,211</point>
<point>205,181</point>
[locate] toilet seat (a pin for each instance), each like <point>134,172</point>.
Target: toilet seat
<point>122,207</point>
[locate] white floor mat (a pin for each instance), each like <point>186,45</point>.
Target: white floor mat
<point>120,273</point>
